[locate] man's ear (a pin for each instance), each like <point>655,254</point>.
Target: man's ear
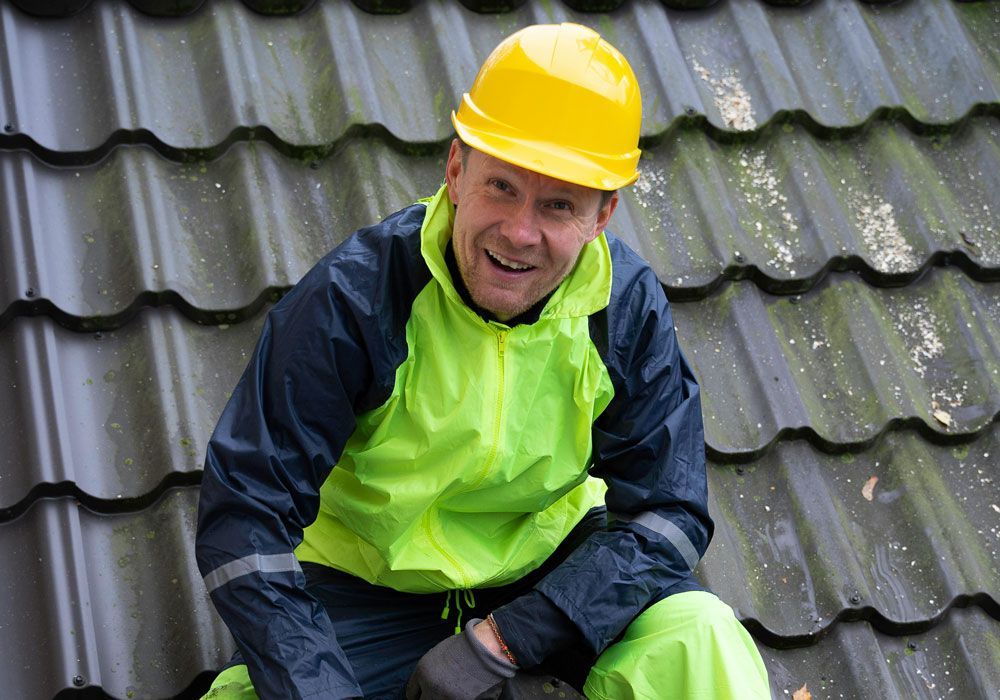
<point>604,215</point>
<point>453,170</point>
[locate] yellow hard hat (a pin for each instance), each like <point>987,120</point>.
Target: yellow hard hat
<point>559,100</point>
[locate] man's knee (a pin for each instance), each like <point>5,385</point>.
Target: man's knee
<point>689,645</point>
<point>232,683</point>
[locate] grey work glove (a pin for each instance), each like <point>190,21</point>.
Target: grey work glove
<point>459,668</point>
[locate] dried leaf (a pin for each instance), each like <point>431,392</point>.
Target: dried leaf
<point>869,487</point>
<point>943,417</point>
<point>802,693</point>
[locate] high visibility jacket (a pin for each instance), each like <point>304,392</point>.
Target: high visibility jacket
<point>385,429</point>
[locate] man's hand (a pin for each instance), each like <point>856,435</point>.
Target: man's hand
<point>460,667</point>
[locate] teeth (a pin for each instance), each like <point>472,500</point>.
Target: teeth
<point>507,263</point>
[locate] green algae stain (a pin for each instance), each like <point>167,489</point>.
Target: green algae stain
<point>189,450</point>
<point>847,458</point>
<point>960,453</point>
<point>606,28</point>
<point>935,504</point>
<point>324,102</point>
<point>357,103</point>
<point>980,20</point>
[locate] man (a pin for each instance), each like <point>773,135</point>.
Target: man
<point>476,412</point>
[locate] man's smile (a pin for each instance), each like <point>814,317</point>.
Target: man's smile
<point>506,264</point>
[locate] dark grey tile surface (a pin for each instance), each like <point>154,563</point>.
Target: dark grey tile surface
<point>211,237</point>
<point>958,658</point>
<point>115,600</point>
<point>818,198</point>
<point>112,74</point>
<point>799,547</point>
<point>846,361</point>
<point>90,244</point>
<point>112,415</point>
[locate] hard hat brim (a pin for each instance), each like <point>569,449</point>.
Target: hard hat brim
<point>550,159</point>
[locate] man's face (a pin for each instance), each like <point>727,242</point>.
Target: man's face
<point>517,233</point>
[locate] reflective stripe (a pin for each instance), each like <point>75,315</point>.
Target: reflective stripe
<point>264,563</point>
<point>674,535</point>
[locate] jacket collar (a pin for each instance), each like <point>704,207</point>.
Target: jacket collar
<point>585,291</point>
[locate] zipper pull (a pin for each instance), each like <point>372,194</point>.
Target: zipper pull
<point>502,337</point>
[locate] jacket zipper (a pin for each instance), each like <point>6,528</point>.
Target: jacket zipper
<point>490,458</point>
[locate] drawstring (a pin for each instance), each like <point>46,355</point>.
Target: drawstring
<point>447,611</point>
<point>470,602</point>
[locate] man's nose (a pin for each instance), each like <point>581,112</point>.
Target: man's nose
<point>521,227</point>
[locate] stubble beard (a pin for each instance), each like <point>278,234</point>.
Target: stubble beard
<point>506,292</point>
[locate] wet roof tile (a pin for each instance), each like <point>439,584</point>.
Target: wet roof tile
<point>819,551</point>
<point>106,601</point>
<point>958,658</point>
<point>111,74</point>
<point>817,197</point>
<point>113,415</point>
<point>845,362</point>
<point>89,244</point>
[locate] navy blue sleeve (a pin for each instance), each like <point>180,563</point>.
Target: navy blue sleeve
<point>328,351</point>
<point>534,627</point>
<point>648,446</point>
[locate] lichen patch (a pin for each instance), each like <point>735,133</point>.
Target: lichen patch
<point>918,325</point>
<point>759,184</point>
<point>888,249</point>
<point>650,187</point>
<point>730,98</point>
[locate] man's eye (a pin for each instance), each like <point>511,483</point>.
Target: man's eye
<point>501,185</point>
<point>562,206</point>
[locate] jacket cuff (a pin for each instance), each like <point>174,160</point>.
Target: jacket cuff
<point>535,628</point>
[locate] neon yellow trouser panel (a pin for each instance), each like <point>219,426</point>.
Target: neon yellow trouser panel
<point>232,684</point>
<point>689,646</point>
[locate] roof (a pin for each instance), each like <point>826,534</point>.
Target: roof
<point>818,197</point>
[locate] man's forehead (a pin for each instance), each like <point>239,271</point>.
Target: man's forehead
<point>494,165</point>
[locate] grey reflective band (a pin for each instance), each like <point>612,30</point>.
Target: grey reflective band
<point>674,534</point>
<point>263,563</point>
